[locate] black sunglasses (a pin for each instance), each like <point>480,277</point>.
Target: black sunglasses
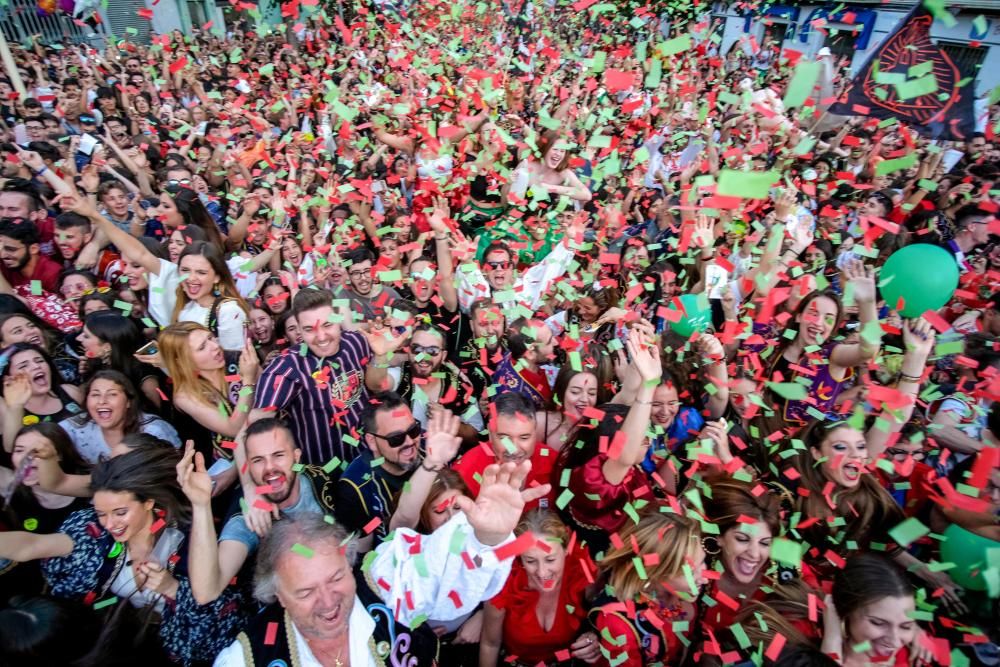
<point>498,265</point>
<point>397,439</point>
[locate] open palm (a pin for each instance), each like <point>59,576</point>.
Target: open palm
<point>497,509</point>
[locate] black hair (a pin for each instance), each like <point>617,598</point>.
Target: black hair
<point>20,229</point>
<point>380,402</point>
<point>267,425</point>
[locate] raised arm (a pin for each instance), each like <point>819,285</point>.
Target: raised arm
<point>646,359</point>
<point>442,443</point>
<point>446,266</point>
<point>126,243</point>
<point>918,339</point>
<point>211,565</point>
<point>860,282</point>
<point>22,547</point>
<point>426,586</point>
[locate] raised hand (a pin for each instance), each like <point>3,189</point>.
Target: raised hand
<point>441,440</point>
<point>249,363</point>
<point>862,278</point>
<point>77,204</point>
<point>710,347</point>
<point>438,219</point>
<point>383,342</point>
<point>703,235</point>
<point>496,511</point>
<point>645,357</point>
<point>918,336</point>
<point>17,390</point>
<point>193,478</point>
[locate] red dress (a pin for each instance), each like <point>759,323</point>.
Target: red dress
<point>523,636</point>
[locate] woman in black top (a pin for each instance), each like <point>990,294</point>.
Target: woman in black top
<point>31,391</point>
<point>27,507</point>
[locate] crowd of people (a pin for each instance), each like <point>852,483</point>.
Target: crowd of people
<point>431,338</point>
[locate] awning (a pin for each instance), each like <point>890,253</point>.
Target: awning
<point>791,14</point>
<point>862,21</point>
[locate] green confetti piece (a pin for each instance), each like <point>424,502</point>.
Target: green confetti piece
<point>802,83</point>
<point>911,89</point>
<point>792,391</point>
<point>564,499</point>
<point>747,184</point>
<point>674,46</point>
<point>302,550</point>
<point>105,603</point>
<point>36,287</point>
<point>331,465</point>
<point>640,569</point>
<point>786,551</point>
<point>889,166</point>
<point>908,531</point>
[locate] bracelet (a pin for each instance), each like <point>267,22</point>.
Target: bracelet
<point>442,238</point>
<point>251,387</point>
<point>433,470</point>
<point>903,377</point>
<point>638,402</point>
<point>41,171</point>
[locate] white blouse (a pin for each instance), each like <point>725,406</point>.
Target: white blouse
<point>232,320</point>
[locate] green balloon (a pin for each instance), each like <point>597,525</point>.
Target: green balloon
<point>696,316</point>
<point>924,276</point>
<point>968,552</point>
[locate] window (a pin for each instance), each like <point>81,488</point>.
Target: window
<point>842,44</point>
<point>968,58</point>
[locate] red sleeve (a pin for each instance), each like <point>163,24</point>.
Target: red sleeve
<point>618,640</point>
<point>596,501</point>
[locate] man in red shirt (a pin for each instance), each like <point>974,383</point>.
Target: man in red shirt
<point>512,438</point>
<point>21,260</point>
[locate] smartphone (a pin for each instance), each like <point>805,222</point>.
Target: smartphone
<point>148,348</point>
<point>145,204</point>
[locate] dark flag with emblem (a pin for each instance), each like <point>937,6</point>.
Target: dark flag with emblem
<point>910,79</point>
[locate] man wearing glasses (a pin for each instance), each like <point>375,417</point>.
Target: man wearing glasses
<point>428,383</point>
<point>392,450</point>
<point>369,299</point>
<point>519,296</point>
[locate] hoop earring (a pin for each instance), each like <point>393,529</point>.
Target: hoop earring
<point>215,290</point>
<point>711,546</point>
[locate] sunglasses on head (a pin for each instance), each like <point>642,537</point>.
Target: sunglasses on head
<point>397,439</point>
<point>498,265</point>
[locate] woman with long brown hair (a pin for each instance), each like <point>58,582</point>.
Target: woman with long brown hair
<point>198,288</point>
<point>201,372</point>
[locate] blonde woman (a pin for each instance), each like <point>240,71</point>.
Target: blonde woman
<point>542,610</point>
<point>202,374</point>
<point>654,590</point>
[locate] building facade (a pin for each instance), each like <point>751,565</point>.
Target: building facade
<point>853,30</point>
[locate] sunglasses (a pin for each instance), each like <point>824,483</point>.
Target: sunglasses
<point>498,265</point>
<point>397,439</point>
<point>898,453</point>
<point>429,350</point>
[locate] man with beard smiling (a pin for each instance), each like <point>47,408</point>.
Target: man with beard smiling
<point>369,490</point>
<point>429,383</point>
<point>21,260</point>
<point>272,461</point>
<point>369,299</point>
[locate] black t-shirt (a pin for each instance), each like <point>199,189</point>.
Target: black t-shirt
<point>364,493</point>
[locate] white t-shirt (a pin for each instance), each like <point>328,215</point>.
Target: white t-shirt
<point>231,317</point>
<point>88,440</point>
